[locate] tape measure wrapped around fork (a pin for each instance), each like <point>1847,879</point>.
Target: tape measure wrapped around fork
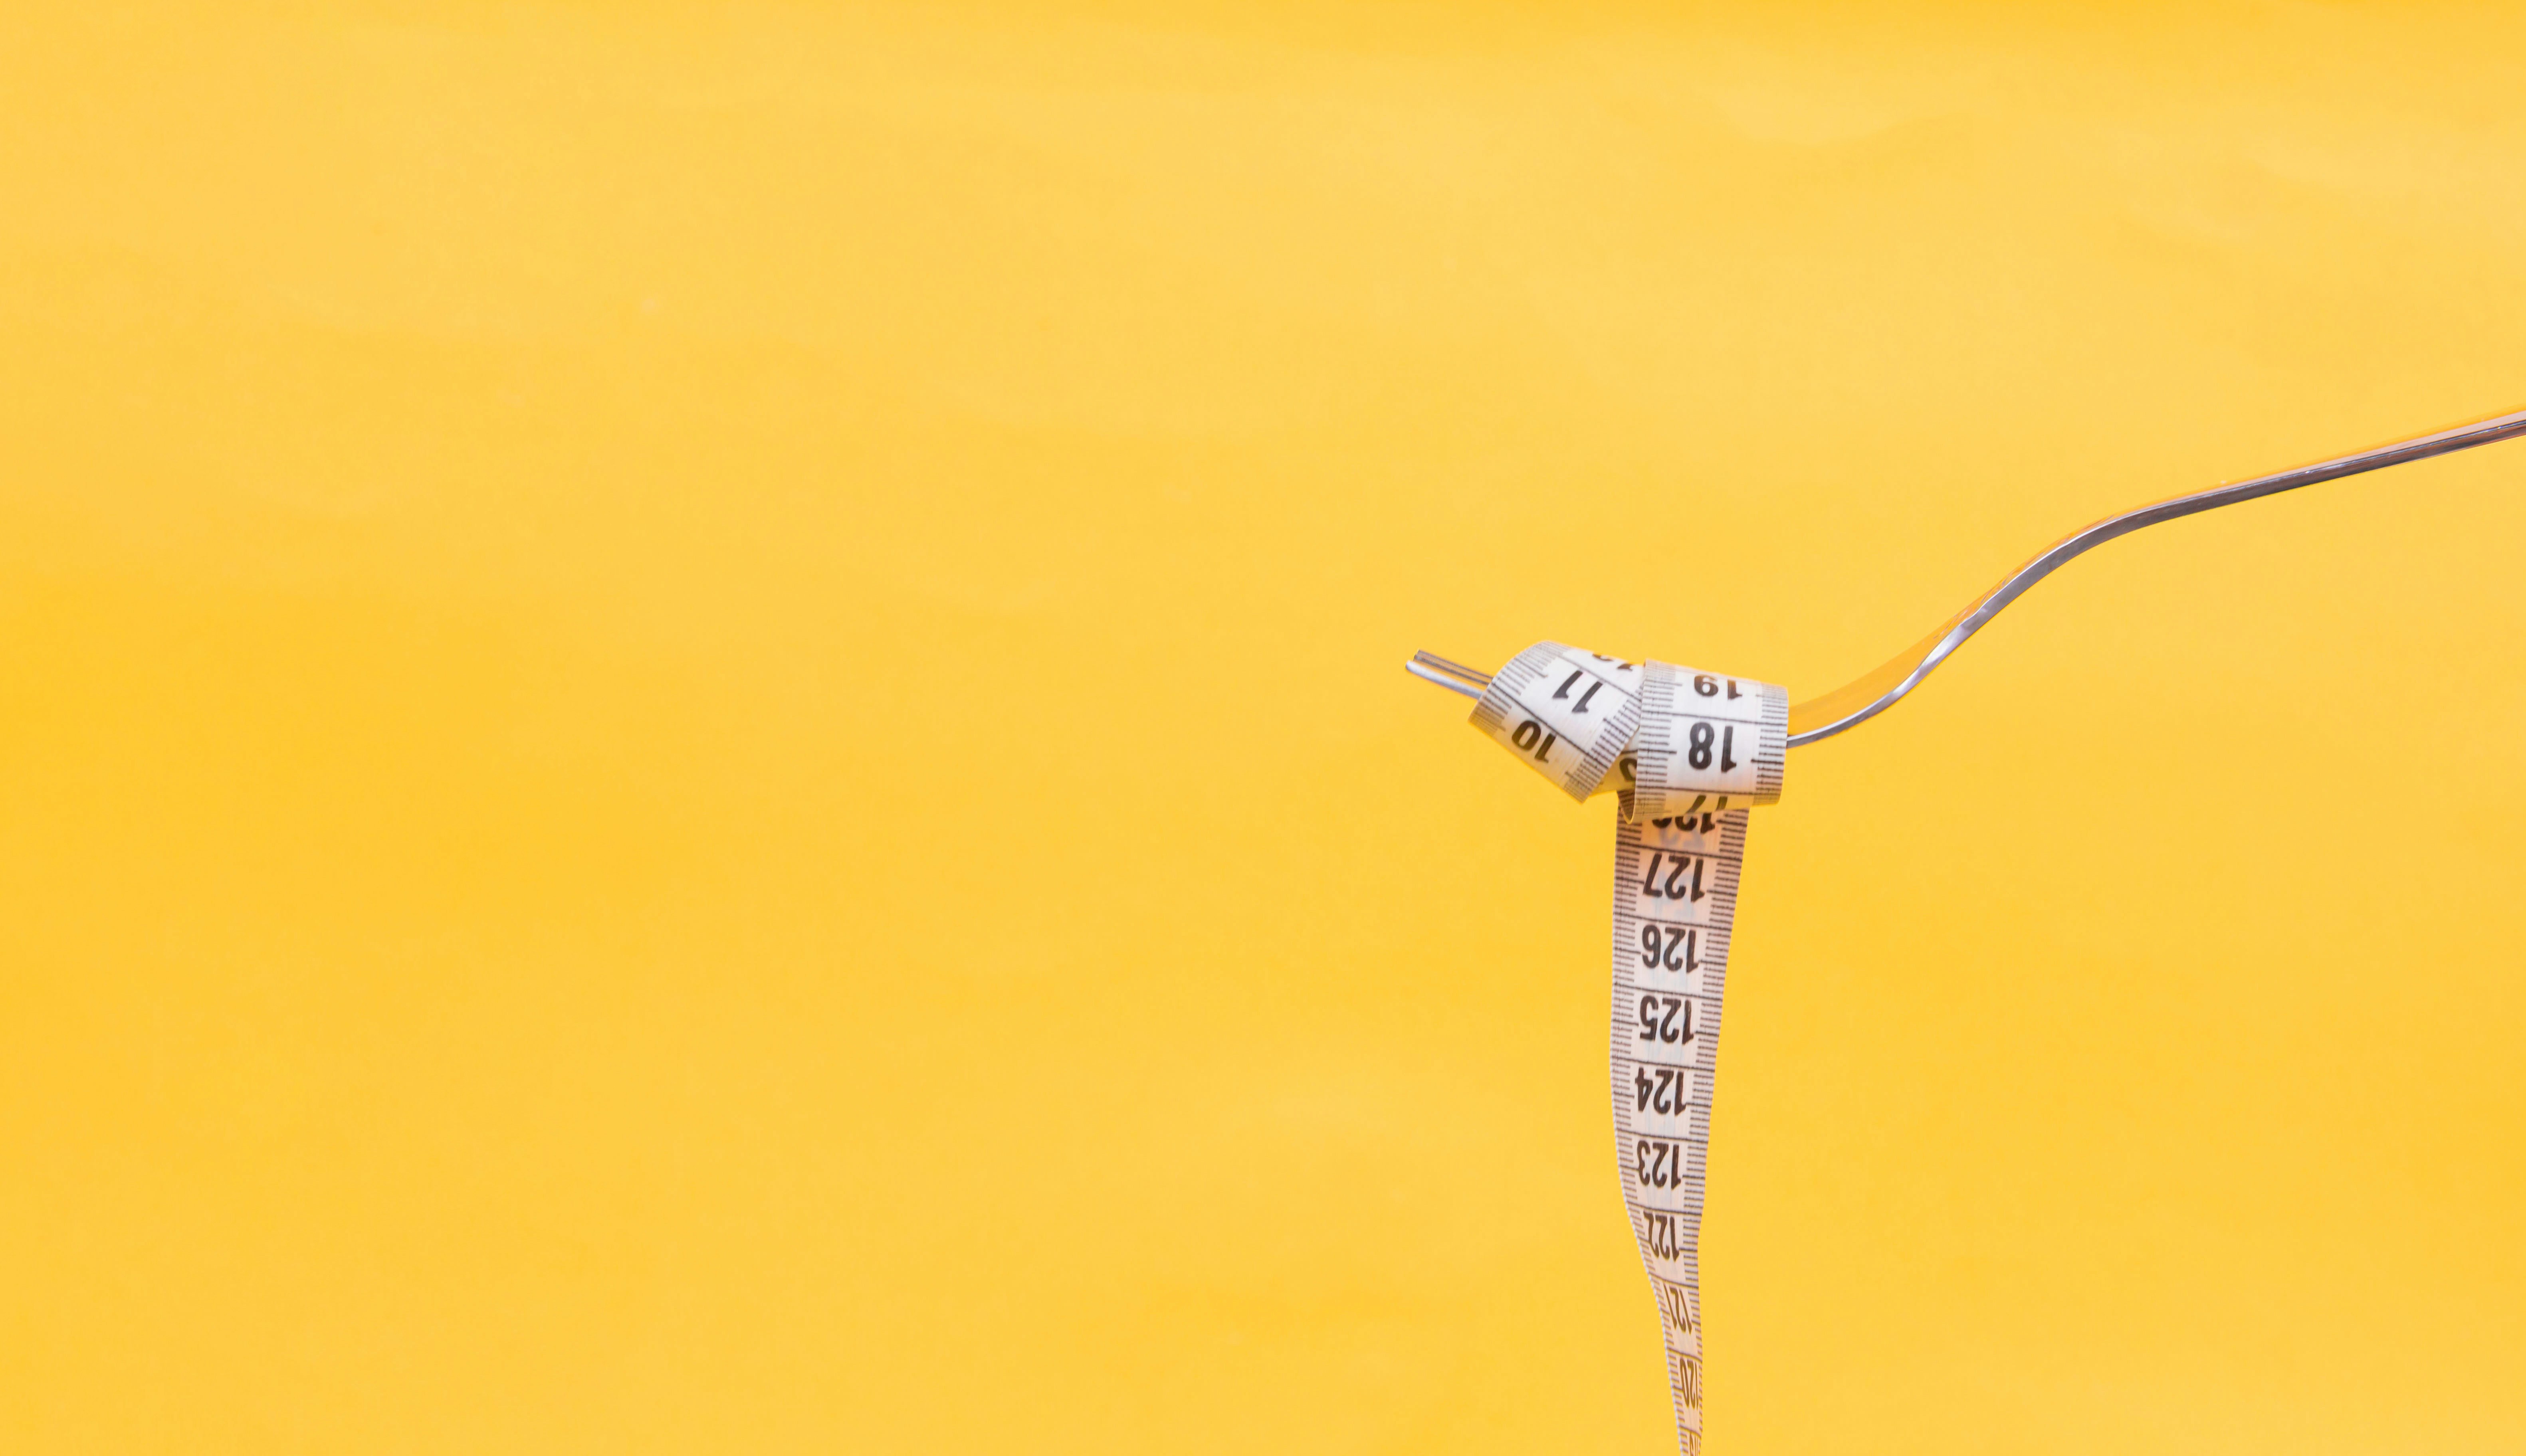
<point>1689,752</point>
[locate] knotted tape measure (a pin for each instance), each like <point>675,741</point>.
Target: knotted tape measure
<point>1687,752</point>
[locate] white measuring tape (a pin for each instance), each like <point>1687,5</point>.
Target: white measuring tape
<point>1687,751</point>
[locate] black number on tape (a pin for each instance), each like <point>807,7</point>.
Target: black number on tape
<point>1571,682</point>
<point>1687,1381</point>
<point>1670,947</point>
<point>1677,886</point>
<point>1658,1163</point>
<point>1698,751</point>
<point>1665,1091</point>
<point>1665,1233</point>
<point>1666,1019</point>
<point>1675,1306</point>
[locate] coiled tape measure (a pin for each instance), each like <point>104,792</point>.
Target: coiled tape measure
<point>1689,753</point>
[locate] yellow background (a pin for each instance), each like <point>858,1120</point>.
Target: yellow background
<point>703,747</point>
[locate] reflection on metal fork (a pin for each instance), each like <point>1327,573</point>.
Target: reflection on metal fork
<point>1454,676</point>
<point>1855,703</point>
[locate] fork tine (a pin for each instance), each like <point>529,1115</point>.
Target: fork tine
<point>1474,676</point>
<point>1453,684</point>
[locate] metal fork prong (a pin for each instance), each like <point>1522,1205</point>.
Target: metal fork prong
<point>1475,676</point>
<point>1425,675</point>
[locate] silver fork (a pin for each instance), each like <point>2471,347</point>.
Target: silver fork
<point>1854,703</point>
